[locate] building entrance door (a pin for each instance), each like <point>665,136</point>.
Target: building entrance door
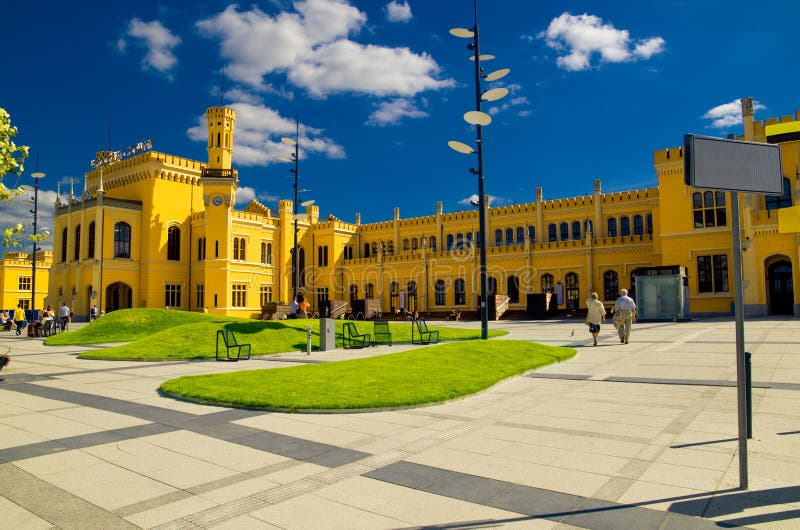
<point>781,290</point>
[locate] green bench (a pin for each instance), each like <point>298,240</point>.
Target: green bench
<point>231,346</point>
<point>423,335</point>
<point>351,338</point>
<point>382,331</point>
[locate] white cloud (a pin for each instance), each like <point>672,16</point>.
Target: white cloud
<point>19,211</point>
<point>728,114</point>
<point>494,201</point>
<point>258,132</point>
<point>391,112</point>
<point>578,38</point>
<point>159,41</point>
<point>312,49</point>
<point>244,195</point>
<point>512,100</point>
<point>398,11</point>
<point>346,66</point>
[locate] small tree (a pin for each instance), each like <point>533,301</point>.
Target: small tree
<point>12,157</point>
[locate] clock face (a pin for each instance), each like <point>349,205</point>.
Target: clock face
<point>217,200</point>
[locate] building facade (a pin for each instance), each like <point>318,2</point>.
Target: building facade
<point>16,279</point>
<point>158,230</point>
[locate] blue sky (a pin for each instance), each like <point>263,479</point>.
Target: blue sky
<point>380,87</point>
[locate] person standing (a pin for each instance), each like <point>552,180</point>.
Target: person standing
<point>595,315</point>
<point>93,313</point>
<point>302,306</point>
<point>63,315</point>
<point>625,309</point>
<point>293,308</point>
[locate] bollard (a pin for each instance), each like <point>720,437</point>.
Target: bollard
<point>308,340</point>
<point>748,377</point>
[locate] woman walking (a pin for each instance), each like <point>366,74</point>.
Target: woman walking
<point>595,316</point>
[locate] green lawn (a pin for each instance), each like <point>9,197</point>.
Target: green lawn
<point>159,334</point>
<point>426,375</point>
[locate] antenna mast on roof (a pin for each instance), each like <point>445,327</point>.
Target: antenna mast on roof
<point>222,87</point>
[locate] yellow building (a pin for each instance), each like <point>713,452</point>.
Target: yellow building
<point>157,230</point>
<point>16,279</point>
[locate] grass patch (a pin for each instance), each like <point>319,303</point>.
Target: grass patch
<point>158,334</point>
<point>427,375</point>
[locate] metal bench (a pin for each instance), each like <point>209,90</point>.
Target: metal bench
<point>423,335</point>
<point>231,345</point>
<point>382,331</point>
<point>351,338</point>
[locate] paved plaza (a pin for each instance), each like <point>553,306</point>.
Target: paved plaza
<point>639,436</point>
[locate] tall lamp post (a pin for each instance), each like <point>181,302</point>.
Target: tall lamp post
<point>36,176</point>
<point>480,119</point>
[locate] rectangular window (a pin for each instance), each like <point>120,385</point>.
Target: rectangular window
<point>25,304</point>
<point>24,283</point>
<point>712,273</point>
<point>266,294</point>
<point>322,299</point>
<point>201,295</point>
<point>322,255</point>
<point>172,295</point>
<point>239,295</point>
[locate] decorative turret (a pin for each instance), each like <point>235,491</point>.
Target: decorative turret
<point>221,123</point>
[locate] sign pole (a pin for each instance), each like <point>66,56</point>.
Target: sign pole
<point>741,384</point>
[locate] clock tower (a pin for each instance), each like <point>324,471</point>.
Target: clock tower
<point>219,181</point>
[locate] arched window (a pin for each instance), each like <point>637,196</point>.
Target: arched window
<point>411,296</point>
<point>520,235</point>
<point>624,226</point>
<point>564,229</point>
<point>638,225</point>
<point>394,296</point>
<point>449,241</point>
<point>90,245</point>
<point>532,234</point>
<point>235,248</point>
<point>414,244</point>
<point>64,235</point>
<point>174,243</point>
<point>552,232</point>
<point>78,243</point>
<point>440,292</point>
<point>781,201</point>
<point>353,293</point>
<point>390,247</point>
<point>576,230</point>
<point>459,241</point>
<point>491,288</point>
<point>649,223</point>
<point>269,253</point>
<point>406,244</point>
<point>469,239</point>
<point>572,290</point>
<point>263,252</point>
<point>509,236</point>
<point>512,289</point>
<point>369,291</point>
<point>612,227</point>
<point>498,238</point>
<point>460,292</point>
<point>432,243</point>
<point>610,285</point>
<point>548,283</point>
<point>122,240</point>
<point>366,250</point>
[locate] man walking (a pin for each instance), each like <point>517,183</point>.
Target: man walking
<point>63,315</point>
<point>625,314</point>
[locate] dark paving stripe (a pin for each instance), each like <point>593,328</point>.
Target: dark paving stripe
<point>575,432</point>
<point>54,505</point>
<point>533,502</point>
<point>279,360</point>
<point>575,377</point>
<point>116,369</point>
<point>10,379</point>
<point>12,454</point>
<point>216,425</point>
<point>665,381</point>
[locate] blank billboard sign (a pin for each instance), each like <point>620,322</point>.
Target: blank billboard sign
<point>732,165</point>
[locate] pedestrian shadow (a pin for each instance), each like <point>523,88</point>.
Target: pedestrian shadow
<point>737,502</point>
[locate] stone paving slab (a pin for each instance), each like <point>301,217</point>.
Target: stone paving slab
<point>636,436</point>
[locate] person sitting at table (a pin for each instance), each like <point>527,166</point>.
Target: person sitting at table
<point>5,322</point>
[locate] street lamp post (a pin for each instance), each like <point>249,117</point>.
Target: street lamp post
<point>36,176</point>
<point>295,171</point>
<point>479,118</point>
